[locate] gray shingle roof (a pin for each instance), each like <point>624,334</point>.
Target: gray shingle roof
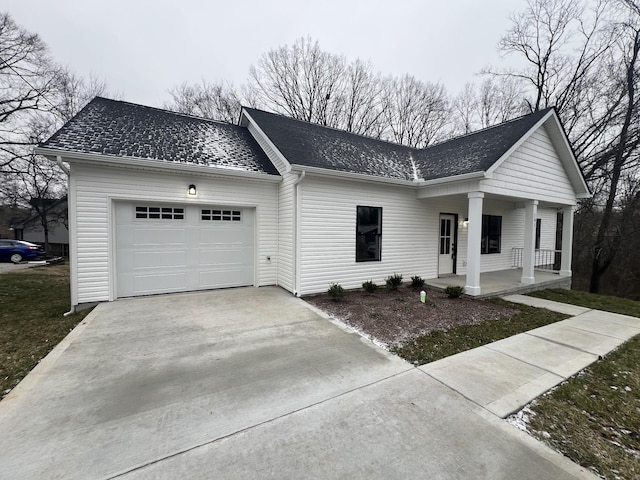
<point>115,128</point>
<point>312,145</point>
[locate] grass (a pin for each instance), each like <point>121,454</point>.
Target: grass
<point>594,418</point>
<point>440,343</point>
<point>31,322</point>
<point>590,300</point>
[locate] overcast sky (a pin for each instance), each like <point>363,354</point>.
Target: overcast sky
<point>142,48</point>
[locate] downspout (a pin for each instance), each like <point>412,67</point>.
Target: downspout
<point>61,165</point>
<point>67,173</point>
<point>296,232</point>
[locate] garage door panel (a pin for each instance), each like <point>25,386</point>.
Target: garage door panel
<point>173,282</point>
<point>157,236</point>
<point>165,258</point>
<point>232,277</point>
<point>161,255</point>
<point>227,256</point>
<point>225,236</point>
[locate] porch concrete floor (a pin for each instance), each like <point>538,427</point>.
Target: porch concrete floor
<point>504,282</point>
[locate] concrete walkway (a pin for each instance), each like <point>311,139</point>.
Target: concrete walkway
<point>504,376</point>
<point>250,383</point>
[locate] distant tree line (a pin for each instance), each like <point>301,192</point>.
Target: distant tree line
<point>576,55</point>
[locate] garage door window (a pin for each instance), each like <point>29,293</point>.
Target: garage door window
<point>221,215</point>
<point>160,213</point>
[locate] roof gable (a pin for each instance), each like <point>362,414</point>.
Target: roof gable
<point>114,128</point>
<point>477,151</point>
<point>311,145</point>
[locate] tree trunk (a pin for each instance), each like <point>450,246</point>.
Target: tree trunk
<point>602,258</point>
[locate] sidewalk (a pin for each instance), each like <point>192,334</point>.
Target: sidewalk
<point>506,375</point>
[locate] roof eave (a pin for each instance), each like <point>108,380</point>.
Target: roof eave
<point>361,177</point>
<point>463,177</point>
<point>149,164</point>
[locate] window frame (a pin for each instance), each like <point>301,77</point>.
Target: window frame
<point>159,212</point>
<point>486,235</point>
<point>220,214</point>
<point>538,233</point>
<point>362,240</point>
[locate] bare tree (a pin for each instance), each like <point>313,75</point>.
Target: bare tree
<point>73,92</point>
<point>496,100</point>
<point>36,97</point>
<point>357,106</point>
<point>539,35</point>
<point>39,184</point>
<point>27,78</point>
<point>299,81</point>
<point>415,113</point>
<point>607,242</point>
<point>216,101</point>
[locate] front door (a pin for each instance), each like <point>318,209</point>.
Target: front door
<point>447,245</point>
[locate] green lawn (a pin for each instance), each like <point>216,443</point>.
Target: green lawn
<point>594,417</point>
<point>31,322</point>
<point>439,344</point>
<point>591,300</point>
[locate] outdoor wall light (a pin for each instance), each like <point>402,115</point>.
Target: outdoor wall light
<point>466,221</point>
<point>192,189</point>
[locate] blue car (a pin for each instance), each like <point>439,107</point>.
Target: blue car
<point>16,250</point>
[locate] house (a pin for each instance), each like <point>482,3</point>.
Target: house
<point>162,202</point>
<point>30,228</point>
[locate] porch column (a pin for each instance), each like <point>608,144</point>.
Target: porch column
<point>529,252</point>
<point>474,232</point>
<point>567,241</point>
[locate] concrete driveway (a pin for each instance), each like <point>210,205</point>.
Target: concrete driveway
<point>246,383</point>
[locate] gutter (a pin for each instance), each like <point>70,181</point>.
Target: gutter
<point>296,232</point>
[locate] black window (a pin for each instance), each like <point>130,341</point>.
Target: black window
<point>538,229</point>
<point>160,213</point>
<point>491,234</point>
<point>368,234</point>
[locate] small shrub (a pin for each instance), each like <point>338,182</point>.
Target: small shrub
<point>336,292</point>
<point>417,282</point>
<point>454,291</point>
<point>369,286</point>
<point>394,281</point>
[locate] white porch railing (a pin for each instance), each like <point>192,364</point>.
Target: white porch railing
<point>544,259</point>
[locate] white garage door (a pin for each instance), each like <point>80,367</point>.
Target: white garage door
<point>178,248</point>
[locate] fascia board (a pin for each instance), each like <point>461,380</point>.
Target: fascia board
<point>154,165</point>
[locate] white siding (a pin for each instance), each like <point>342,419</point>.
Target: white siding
<point>328,229</point>
<point>97,187</point>
<point>409,233</point>
<point>286,198</point>
<point>547,228</point>
<point>533,171</point>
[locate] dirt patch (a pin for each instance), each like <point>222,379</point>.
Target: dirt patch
<point>392,318</point>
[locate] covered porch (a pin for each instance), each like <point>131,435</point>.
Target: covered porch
<point>505,282</point>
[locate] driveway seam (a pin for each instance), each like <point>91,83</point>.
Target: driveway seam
<point>246,429</point>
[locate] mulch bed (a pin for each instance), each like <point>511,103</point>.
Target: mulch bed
<point>392,318</point>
